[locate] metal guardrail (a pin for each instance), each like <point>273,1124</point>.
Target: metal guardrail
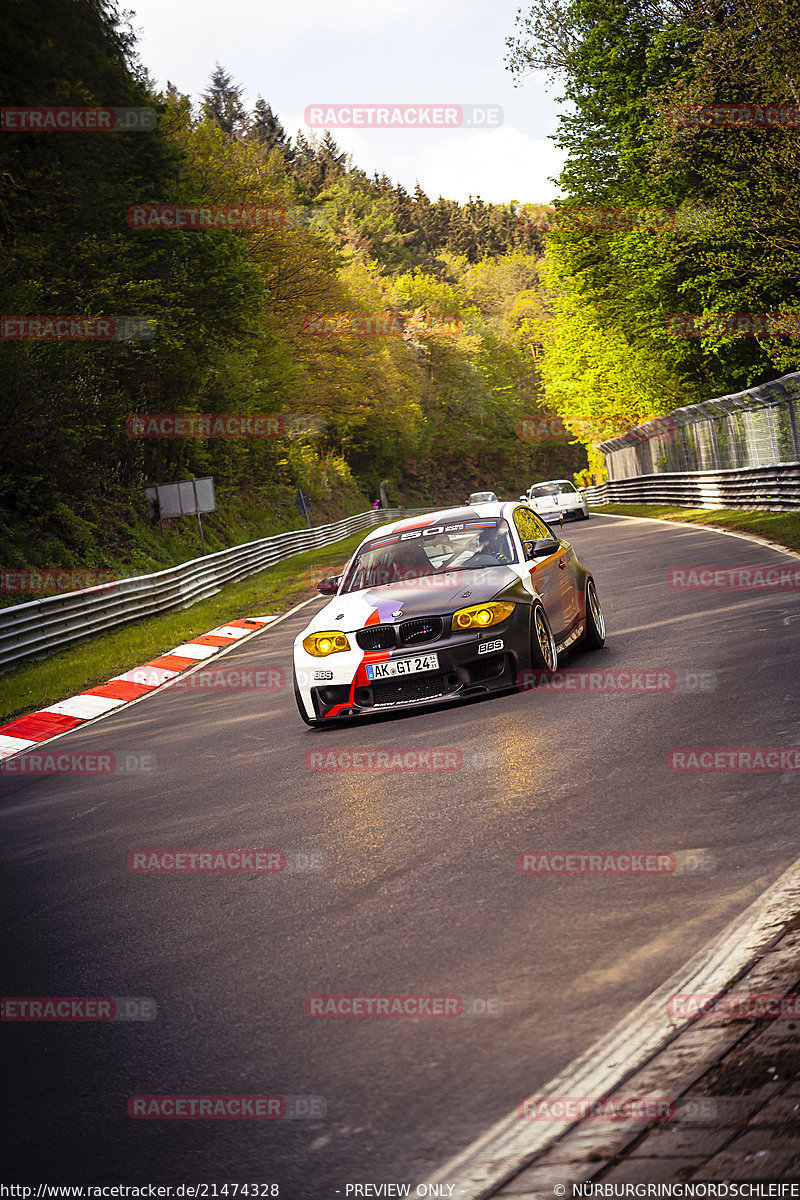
<point>40,627</point>
<point>774,488</point>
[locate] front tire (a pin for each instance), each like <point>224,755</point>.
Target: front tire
<point>301,708</point>
<point>595,635</point>
<point>544,656</point>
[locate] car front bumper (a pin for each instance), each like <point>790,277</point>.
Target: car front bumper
<point>464,669</point>
<point>576,510</point>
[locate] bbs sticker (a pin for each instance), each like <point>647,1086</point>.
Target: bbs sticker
<point>488,647</point>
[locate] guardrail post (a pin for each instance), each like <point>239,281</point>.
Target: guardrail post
<point>792,407</point>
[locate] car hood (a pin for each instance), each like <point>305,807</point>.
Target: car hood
<point>431,595</point>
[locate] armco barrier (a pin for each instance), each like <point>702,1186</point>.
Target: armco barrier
<point>775,488</point>
<point>41,627</point>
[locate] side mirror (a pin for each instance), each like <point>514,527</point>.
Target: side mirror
<point>523,497</point>
<point>329,586</point>
<point>542,547</point>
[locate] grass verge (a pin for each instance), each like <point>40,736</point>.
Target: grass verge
<point>37,684</point>
<point>783,528</point>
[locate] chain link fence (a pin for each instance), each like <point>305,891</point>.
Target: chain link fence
<point>755,428</point>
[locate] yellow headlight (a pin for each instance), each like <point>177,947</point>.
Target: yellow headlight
<point>481,616</point>
<point>322,644</point>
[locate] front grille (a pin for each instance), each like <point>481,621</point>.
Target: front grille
<point>421,687</point>
<point>422,629</point>
<point>376,637</point>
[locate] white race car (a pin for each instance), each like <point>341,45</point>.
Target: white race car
<point>442,606</point>
<point>560,494</point>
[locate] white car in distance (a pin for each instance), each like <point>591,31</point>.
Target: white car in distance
<point>560,494</point>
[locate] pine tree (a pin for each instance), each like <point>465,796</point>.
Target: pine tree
<point>332,161</point>
<point>267,130</point>
<point>222,103</point>
<point>318,164</point>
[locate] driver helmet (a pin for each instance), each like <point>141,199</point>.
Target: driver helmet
<point>493,541</point>
<point>409,560</point>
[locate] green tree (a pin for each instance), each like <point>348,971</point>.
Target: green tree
<point>222,103</point>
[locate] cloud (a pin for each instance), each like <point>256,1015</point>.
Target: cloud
<point>182,39</point>
<point>360,51</point>
<point>503,165</point>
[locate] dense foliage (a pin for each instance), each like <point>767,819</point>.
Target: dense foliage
<point>434,415</point>
<point>632,72</point>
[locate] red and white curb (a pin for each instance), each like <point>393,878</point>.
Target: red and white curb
<point>47,723</point>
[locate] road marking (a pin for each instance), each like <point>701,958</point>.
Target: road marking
<point>84,706</point>
<point>692,528</point>
<point>12,745</point>
<point>194,650</point>
<point>699,617</point>
<point>510,1145</point>
<point>155,676</point>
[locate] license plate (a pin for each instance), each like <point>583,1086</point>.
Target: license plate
<point>402,666</point>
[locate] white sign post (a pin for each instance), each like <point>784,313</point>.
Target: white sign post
<point>189,497</point>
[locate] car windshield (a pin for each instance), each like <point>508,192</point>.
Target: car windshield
<point>552,489</point>
<point>476,497</point>
<point>434,551</point>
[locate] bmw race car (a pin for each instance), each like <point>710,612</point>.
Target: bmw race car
<point>442,606</point>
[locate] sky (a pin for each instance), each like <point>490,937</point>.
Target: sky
<point>387,52</point>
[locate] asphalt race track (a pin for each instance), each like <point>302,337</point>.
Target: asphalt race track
<point>417,890</point>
